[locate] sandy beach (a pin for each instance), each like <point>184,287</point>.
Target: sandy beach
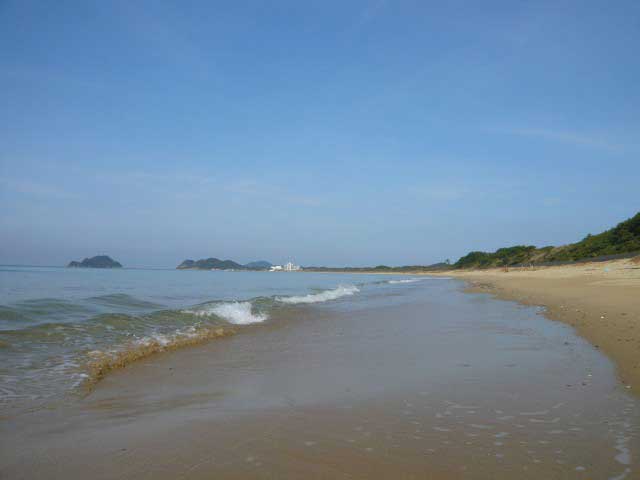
<point>600,299</point>
<point>412,379</point>
<point>258,240</point>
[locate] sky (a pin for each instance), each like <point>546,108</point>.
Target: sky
<point>323,132</point>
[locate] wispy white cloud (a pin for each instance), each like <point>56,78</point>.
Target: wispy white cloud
<point>51,76</point>
<point>577,139</point>
<point>442,193</point>
<point>166,181</point>
<point>192,185</point>
<point>36,189</point>
<point>244,187</point>
<point>308,201</point>
<point>270,192</point>
<point>551,201</point>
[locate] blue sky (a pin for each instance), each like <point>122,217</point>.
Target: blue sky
<point>346,132</point>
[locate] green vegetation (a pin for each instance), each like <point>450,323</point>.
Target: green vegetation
<point>100,261</point>
<point>622,239</point>
<point>501,257</point>
<point>217,264</point>
<point>259,265</point>
<point>383,268</point>
<point>209,264</point>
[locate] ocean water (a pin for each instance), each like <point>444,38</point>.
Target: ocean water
<point>387,376</point>
<point>61,330</point>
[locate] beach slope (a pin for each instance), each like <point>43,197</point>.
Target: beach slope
<point>600,299</point>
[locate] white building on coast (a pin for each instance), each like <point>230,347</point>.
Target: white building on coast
<point>287,267</point>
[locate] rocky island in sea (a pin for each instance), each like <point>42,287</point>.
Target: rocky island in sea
<point>99,261</point>
<point>217,264</point>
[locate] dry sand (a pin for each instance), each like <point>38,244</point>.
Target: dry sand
<point>600,299</point>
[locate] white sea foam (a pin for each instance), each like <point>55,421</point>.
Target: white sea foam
<point>238,313</point>
<point>341,291</point>
<point>405,280</point>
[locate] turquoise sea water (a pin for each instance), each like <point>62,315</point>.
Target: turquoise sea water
<point>57,322</point>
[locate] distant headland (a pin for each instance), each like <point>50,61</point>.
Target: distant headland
<point>217,264</point>
<point>621,241</point>
<point>99,261</point>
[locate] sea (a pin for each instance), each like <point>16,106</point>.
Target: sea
<point>164,373</point>
<point>62,329</point>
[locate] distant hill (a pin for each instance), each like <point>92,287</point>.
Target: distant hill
<point>217,264</point>
<point>383,268</point>
<point>259,265</point>
<point>622,239</point>
<point>209,263</point>
<point>99,261</point>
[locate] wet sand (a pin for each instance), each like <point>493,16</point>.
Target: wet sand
<point>421,381</point>
<point>601,300</point>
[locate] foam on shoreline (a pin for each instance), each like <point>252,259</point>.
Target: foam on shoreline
<point>101,362</point>
<point>238,313</point>
<point>341,291</point>
<point>51,358</point>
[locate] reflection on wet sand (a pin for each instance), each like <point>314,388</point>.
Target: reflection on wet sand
<point>427,381</point>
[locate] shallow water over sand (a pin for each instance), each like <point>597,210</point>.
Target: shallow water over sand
<point>413,380</point>
<point>61,330</point>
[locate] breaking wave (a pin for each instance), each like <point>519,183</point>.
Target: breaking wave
<point>238,313</point>
<point>52,346</point>
<point>101,362</point>
<point>341,291</point>
<point>405,280</point>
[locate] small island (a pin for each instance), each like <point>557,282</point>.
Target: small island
<point>217,264</point>
<point>99,261</point>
